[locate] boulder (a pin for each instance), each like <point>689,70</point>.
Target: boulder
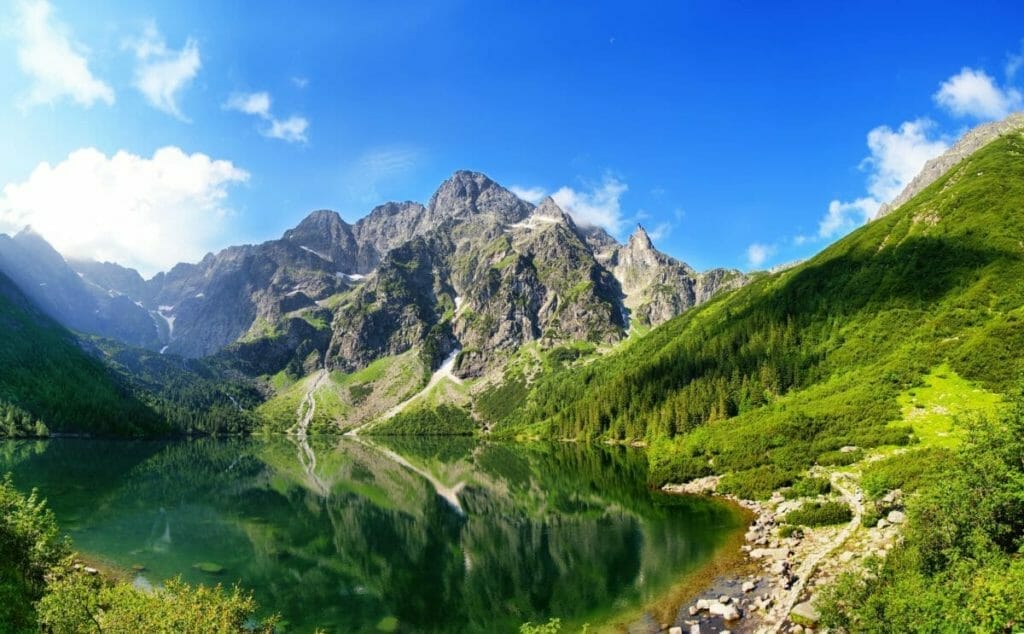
<point>805,614</point>
<point>725,599</point>
<point>770,553</point>
<point>748,586</point>
<point>675,630</point>
<point>727,612</point>
<point>896,517</point>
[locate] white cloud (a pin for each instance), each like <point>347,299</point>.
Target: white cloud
<point>56,64</point>
<point>162,73</point>
<point>597,207</point>
<point>293,129</point>
<point>758,253</point>
<point>897,156</point>
<point>300,82</point>
<point>973,93</point>
<point>256,103</point>
<point>530,194</point>
<point>843,217</point>
<point>149,213</point>
<point>661,231</point>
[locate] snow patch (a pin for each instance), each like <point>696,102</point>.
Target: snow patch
<point>200,295</point>
<point>354,277</point>
<point>316,253</point>
<point>164,349</point>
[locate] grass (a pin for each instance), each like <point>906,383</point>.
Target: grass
<point>933,408</point>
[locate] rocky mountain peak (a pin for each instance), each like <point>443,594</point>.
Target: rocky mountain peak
<point>549,211</point>
<point>322,222</point>
<point>640,239</point>
<point>471,193</point>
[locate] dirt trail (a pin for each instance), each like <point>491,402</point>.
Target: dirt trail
<point>305,413</point>
<point>842,483</point>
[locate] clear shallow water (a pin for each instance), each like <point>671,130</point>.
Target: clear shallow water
<point>355,535</point>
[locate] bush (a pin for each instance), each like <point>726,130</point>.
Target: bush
<point>788,530</point>
<point>820,514</point>
<point>29,550</point>
<point>41,592</point>
<point>81,603</point>
<point>755,484</point>
<point>840,458</point>
<point>808,488</point>
<point>908,471</point>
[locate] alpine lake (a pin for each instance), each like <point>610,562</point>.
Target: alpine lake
<point>386,533</point>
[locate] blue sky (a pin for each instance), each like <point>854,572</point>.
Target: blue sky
<point>739,134</point>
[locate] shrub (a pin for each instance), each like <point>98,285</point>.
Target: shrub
<point>840,458</point>
<point>807,488</point>
<point>755,484</point>
<point>820,514</point>
<point>29,550</point>
<point>908,471</point>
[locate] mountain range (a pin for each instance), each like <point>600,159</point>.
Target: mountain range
<point>476,269</point>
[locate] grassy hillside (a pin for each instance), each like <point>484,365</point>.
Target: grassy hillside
<point>764,381</point>
<point>46,377</point>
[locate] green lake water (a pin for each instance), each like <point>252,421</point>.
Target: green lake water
<point>388,534</point>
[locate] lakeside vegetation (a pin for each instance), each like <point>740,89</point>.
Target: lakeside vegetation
<point>960,566</point>
<point>43,589</point>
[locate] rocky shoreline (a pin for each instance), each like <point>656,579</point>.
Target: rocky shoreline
<point>774,589</point>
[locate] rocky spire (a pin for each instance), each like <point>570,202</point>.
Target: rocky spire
<point>640,239</point>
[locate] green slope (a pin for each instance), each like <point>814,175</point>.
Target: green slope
<point>766,379</point>
<point>46,376</point>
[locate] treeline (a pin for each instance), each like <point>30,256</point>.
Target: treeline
<point>17,423</point>
<point>45,372</point>
<point>444,420</point>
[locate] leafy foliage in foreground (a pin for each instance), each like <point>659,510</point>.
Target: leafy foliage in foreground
<point>960,568</point>
<point>767,380</point>
<point>41,591</point>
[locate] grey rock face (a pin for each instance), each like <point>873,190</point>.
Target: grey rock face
<point>72,300</point>
<point>476,269</point>
<point>936,168</point>
<point>658,287</point>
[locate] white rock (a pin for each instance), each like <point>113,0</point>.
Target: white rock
<point>882,523</point>
<point>896,517</point>
<point>90,570</point>
<point>695,628</point>
<point>770,553</point>
<point>675,630</point>
<point>725,599</point>
<point>727,612</point>
<point>748,586</point>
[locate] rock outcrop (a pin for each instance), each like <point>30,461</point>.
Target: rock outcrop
<point>937,167</point>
